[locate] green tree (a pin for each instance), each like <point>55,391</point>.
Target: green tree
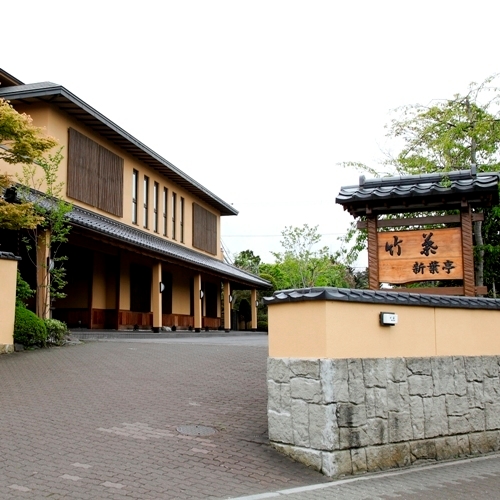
<point>447,135</point>
<point>301,264</point>
<point>20,209</point>
<point>15,216</point>
<point>248,261</point>
<point>41,175</point>
<point>20,140</point>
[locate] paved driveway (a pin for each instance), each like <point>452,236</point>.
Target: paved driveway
<point>99,420</point>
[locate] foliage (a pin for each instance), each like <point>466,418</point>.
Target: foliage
<point>22,142</point>
<point>53,210</point>
<point>302,265</point>
<point>448,135</point>
<point>56,331</point>
<point>29,329</point>
<point>16,216</point>
<point>23,291</point>
<point>299,265</point>
<point>361,279</point>
<point>491,247</point>
<point>248,261</point>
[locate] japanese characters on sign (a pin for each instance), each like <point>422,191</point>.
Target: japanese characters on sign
<point>423,255</point>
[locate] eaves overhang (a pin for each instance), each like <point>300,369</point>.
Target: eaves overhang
<point>161,248</point>
<point>444,191</point>
<point>62,98</point>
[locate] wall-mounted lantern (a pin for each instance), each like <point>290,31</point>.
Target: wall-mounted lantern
<point>50,264</point>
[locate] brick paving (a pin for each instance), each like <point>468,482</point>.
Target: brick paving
<point>99,421</point>
<point>462,480</point>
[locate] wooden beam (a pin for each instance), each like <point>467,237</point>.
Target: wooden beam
<point>467,252</point>
<point>416,221</point>
<point>372,252</point>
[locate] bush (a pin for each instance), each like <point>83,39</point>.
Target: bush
<point>23,291</point>
<point>29,329</point>
<point>56,331</point>
<point>262,325</point>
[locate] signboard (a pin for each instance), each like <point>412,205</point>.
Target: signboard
<point>423,255</point>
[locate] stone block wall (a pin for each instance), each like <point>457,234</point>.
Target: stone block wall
<point>348,416</point>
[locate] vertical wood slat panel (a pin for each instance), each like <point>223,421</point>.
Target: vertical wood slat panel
<point>204,229</point>
<point>82,168</point>
<point>95,174</point>
<point>110,182</point>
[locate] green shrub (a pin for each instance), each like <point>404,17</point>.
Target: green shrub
<point>262,325</point>
<point>23,291</point>
<point>29,329</point>
<point>56,331</point>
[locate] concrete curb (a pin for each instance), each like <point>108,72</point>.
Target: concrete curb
<point>82,334</point>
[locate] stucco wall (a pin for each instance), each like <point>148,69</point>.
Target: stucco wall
<point>331,329</point>
<point>56,123</point>
<point>8,276</point>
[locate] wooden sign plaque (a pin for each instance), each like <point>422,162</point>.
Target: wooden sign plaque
<point>421,255</point>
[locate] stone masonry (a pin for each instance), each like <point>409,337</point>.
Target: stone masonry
<point>348,416</point>
<point>6,348</point>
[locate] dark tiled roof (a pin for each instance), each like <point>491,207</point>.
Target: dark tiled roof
<point>62,98</point>
<point>420,192</point>
<point>7,80</point>
<point>381,297</point>
<point>9,256</point>
<point>118,231</point>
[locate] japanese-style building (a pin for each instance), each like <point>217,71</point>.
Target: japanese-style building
<point>144,248</point>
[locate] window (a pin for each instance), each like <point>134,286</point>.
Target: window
<point>146,199</point>
<point>174,206</point>
<point>135,187</point>
<point>181,219</point>
<point>165,202</point>
<point>155,206</point>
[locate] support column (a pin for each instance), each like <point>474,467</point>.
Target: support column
<point>43,275</point>
<point>371,225</point>
<point>197,301</point>
<point>227,306</point>
<point>467,252</point>
<point>116,319</point>
<point>253,300</point>
<point>156,297</point>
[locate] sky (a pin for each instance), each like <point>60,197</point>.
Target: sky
<point>259,101</point>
